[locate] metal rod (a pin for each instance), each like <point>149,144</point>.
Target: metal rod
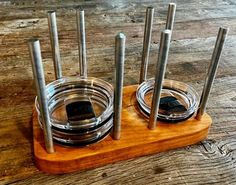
<point>212,71</point>
<point>119,63</point>
<point>52,24</point>
<point>36,62</point>
<point>171,16</point>
<point>81,41</point>
<point>160,72</point>
<point>146,43</point>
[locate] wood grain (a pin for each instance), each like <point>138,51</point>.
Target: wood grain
<point>136,140</point>
<point>195,30</point>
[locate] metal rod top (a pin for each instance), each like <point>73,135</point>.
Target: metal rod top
<point>221,37</point>
<point>79,8</point>
<point>121,36</point>
<point>146,43</point>
<point>81,41</point>
<point>37,67</point>
<point>171,16</point>
<point>51,11</point>
<point>119,63</point>
<point>160,72</point>
<point>52,24</point>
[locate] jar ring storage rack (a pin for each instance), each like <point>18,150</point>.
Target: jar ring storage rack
<point>84,122</point>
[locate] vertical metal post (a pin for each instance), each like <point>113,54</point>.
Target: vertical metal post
<point>81,41</point>
<point>36,62</point>
<point>160,72</point>
<point>211,71</point>
<point>171,16</point>
<point>119,63</point>
<point>146,43</point>
<point>52,24</point>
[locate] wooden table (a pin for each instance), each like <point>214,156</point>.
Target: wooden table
<point>195,30</point>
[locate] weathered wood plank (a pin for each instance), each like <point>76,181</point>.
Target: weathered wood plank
<point>210,162</point>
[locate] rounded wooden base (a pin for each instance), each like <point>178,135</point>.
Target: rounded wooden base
<point>136,140</point>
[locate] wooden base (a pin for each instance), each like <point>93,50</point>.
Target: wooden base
<point>136,140</point>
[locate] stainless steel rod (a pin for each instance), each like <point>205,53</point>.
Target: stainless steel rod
<point>119,63</point>
<point>160,72</point>
<point>146,43</point>
<point>171,16</point>
<point>36,62</point>
<point>212,71</point>
<point>81,41</point>
<point>52,24</point>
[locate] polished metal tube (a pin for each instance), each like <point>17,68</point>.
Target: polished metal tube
<point>119,63</point>
<point>211,71</point>
<point>160,73</point>
<point>81,41</point>
<point>171,16</point>
<point>36,62</point>
<point>146,43</point>
<point>52,24</point>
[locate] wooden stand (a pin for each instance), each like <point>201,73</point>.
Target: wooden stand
<point>136,140</point>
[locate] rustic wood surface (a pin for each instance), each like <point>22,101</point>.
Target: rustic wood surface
<point>136,140</point>
<point>212,161</point>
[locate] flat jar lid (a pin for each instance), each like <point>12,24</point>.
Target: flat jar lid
<point>178,100</point>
